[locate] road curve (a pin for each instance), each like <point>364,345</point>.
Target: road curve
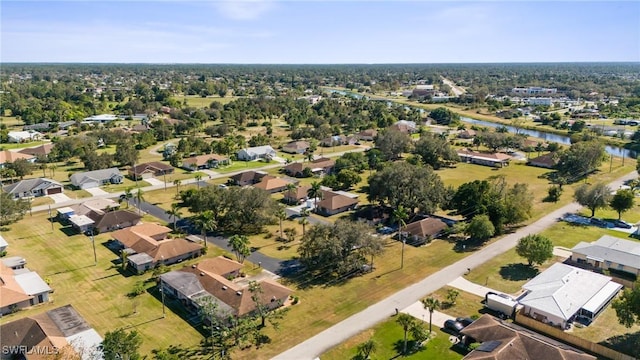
<point>367,318</point>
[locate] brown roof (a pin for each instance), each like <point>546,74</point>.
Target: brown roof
<point>167,249</point>
<point>270,183</point>
<point>488,156</point>
<point>333,201</point>
<point>547,160</point>
<point>113,218</point>
<point>297,145</point>
<point>152,166</point>
<point>43,149</point>
<point>25,332</point>
<point>248,176</point>
<point>298,167</point>
<point>201,160</point>
<point>369,132</point>
<point>10,292</point>
<point>515,342</point>
<point>7,156</point>
<point>140,238</point>
<point>219,265</point>
<point>300,192</point>
<point>425,227</point>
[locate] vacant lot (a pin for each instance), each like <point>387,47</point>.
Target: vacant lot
<point>388,337</point>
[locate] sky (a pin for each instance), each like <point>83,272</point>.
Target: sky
<point>318,32</point>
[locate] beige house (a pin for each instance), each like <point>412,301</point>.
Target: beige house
<point>609,253</point>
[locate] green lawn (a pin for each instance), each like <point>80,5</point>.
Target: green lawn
<point>388,337</point>
<point>200,102</point>
<point>9,146</point>
<point>242,165</point>
<point>607,330</point>
<point>466,305</point>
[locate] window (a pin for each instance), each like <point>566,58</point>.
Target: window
<point>608,263</point>
<point>620,267</point>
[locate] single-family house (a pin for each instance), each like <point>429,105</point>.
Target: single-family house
<point>547,161</point>
<point>105,221</point>
<point>205,281</point>
<point>502,340</point>
<point>206,161</point>
<point>3,244</point>
<point>467,134</point>
<point>33,188</point>
<point>58,331</point>
<point>257,152</point>
<point>41,150</point>
<point>149,170</point>
<point>421,91</point>
<point>319,166</point>
<point>20,289</point>
<point>609,253</point>
<point>272,184</point>
<point>560,294</point>
<point>422,231</point>
<point>96,178</point>
<point>23,136</point>
<point>297,195</point>
<point>334,203</point>
<point>486,159</point>
<point>7,157</point>
<point>296,147</point>
<point>248,177</point>
<point>334,140</point>
<point>147,245</point>
<point>404,126</point>
<point>94,204</point>
<point>102,118</point>
<point>368,134</point>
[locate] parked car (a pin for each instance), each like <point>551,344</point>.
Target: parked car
<point>622,224</point>
<point>385,230</point>
<point>453,326</point>
<point>465,321</point>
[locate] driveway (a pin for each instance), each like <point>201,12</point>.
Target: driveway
<point>470,287</point>
<point>419,312</point>
<point>154,181</point>
<point>97,192</point>
<point>59,198</point>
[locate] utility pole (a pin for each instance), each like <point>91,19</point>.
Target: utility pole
<point>50,218</point>
<point>93,243</point>
<point>402,258</point>
<point>164,314</point>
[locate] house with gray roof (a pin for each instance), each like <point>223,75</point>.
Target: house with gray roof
<point>96,178</point>
<point>607,253</point>
<point>257,152</point>
<point>33,188</point>
<point>562,293</point>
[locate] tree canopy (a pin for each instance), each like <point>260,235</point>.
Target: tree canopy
<point>535,248</point>
<point>594,197</point>
<point>435,151</point>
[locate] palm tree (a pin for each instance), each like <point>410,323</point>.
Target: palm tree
<point>400,216</point>
<point>281,215</point>
<point>240,246</point>
<point>177,183</point>
<point>304,222</point>
<point>315,192</point>
<point>53,168</point>
<point>406,321</point>
<point>291,191</point>
<point>366,349</point>
<point>175,213</point>
<point>126,196</point>
<point>198,178</point>
<point>291,234</point>
<point>430,304</point>
<point>139,199</point>
<point>44,168</point>
<point>205,222</point>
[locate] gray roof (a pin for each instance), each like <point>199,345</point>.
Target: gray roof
<point>68,320</point>
<point>140,258</point>
<point>96,175</point>
<point>14,261</point>
<point>562,290</point>
<point>259,150</point>
<point>32,283</point>
<point>30,185</point>
<point>610,248</point>
<point>186,283</point>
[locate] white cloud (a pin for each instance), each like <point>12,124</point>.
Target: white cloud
<point>243,9</point>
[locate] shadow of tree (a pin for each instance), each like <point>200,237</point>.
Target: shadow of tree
<point>628,343</point>
<point>518,271</point>
<point>412,348</point>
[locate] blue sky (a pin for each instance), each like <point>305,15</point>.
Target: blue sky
<point>259,31</point>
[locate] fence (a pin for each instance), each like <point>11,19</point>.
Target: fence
<point>556,333</point>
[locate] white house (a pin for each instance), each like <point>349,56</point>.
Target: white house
<point>102,118</point>
<point>562,293</point>
<point>254,153</point>
<point>23,136</point>
<point>609,252</point>
<point>92,179</point>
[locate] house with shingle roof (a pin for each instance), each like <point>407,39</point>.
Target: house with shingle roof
<point>33,188</point>
<point>272,184</point>
<point>547,161</point>
<point>319,166</point>
<point>486,159</point>
<point>368,134</point>
<point>23,136</point>
<point>609,252</point>
<point>248,177</point>
<point>296,147</point>
<point>21,288</point>
<point>7,156</point>
<point>422,231</point>
<point>149,170</point>
<point>334,203</point>
<point>147,245</point>
<point>206,161</point>
<point>42,150</point>
<point>210,280</point>
<point>256,152</point>
<point>96,178</point>
<point>300,193</point>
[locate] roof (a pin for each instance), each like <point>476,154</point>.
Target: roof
<point>141,239</point>
<point>610,248</point>
<point>219,265</point>
<point>297,145</point>
<point>320,163</point>
<point>152,166</point>
<point>506,341</point>
<point>95,205</point>
<point>95,175</point>
<point>547,160</point>
<point>3,242</point>
<point>31,283</point>
<point>113,218</point>
<point>7,156</point>
<point>30,185</point>
<point>425,227</point>
<point>43,149</point>
<point>81,220</point>
<point>259,150</point>
<point>368,132</point>
<point>23,135</point>
<point>562,290</point>
<point>10,291</point>
<point>333,201</point>
<point>300,192</point>
<point>250,175</point>
<point>201,160</point>
<point>270,183</point>
<point>496,157</point>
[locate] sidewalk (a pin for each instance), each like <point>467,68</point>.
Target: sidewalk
<point>473,288</point>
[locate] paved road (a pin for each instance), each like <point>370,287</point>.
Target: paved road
<point>318,344</point>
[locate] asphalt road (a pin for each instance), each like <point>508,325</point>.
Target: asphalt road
<point>318,344</point>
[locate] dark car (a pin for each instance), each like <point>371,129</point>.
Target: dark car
<point>453,326</point>
<point>622,224</point>
<point>464,321</point>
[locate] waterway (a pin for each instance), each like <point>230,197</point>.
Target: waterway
<point>562,139</point>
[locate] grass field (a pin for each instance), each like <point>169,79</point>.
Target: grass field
<point>388,337</point>
<point>200,102</point>
<point>466,305</point>
<point>10,146</point>
<point>242,165</point>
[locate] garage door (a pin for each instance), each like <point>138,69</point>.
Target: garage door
<point>55,190</point>
<point>89,185</point>
<point>147,175</point>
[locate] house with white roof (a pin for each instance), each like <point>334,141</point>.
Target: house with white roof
<point>562,293</point>
<point>257,152</point>
<point>3,244</point>
<point>23,136</point>
<point>608,253</point>
<point>102,118</point>
<point>21,288</point>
